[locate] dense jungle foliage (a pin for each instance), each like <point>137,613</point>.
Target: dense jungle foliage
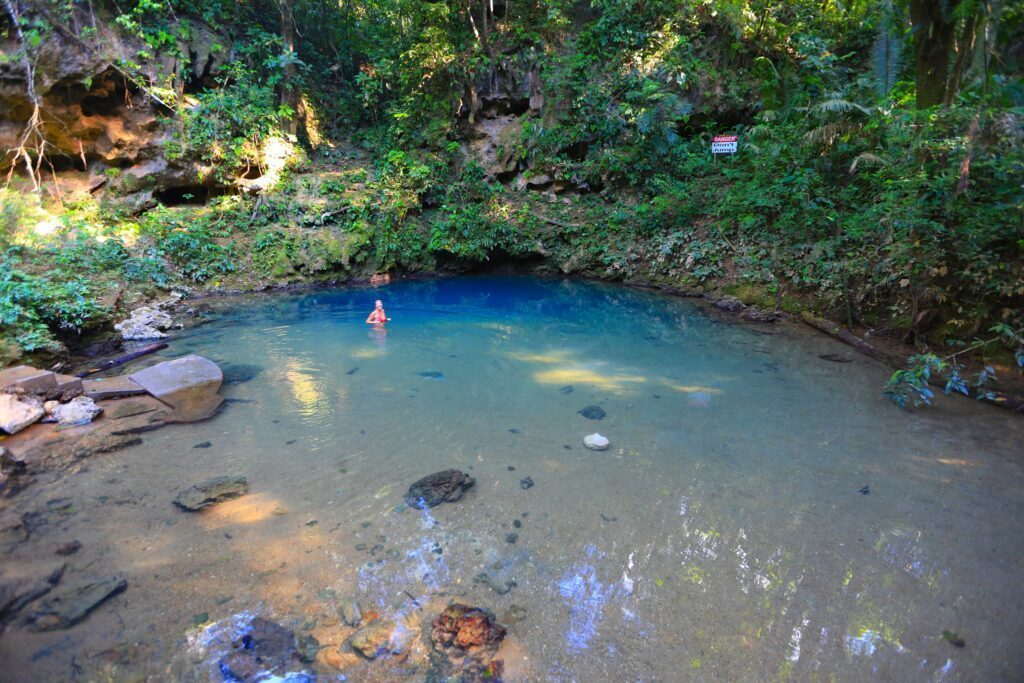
<point>878,178</point>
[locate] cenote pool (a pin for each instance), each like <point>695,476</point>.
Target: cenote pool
<point>724,536</point>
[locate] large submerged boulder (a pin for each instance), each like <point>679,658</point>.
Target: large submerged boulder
<point>211,492</point>
<point>441,487</point>
<point>189,385</point>
<point>266,650</point>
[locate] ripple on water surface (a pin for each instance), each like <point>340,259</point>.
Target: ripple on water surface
<point>726,533</point>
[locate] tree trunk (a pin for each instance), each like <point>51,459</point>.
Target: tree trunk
<point>934,24</point>
<point>289,86</point>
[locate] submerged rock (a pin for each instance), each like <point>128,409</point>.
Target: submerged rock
<point>441,487</point>
<point>21,584</point>
<point>238,373</point>
<point>188,384</point>
<point>349,612</point>
<point>17,413</point>
<point>211,491</point>
<point>73,604</point>
<point>265,649</point>
<point>466,628</point>
<point>526,483</point>
<point>595,442</point>
<point>307,646</point>
<point>79,411</point>
<point>379,637</point>
<point>465,640</point>
<point>593,412</point>
<point>431,374</point>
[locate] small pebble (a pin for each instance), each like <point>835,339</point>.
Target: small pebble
<point>69,548</point>
<point>205,444</point>
<point>511,468</point>
<point>361,547</point>
<point>526,483</point>
<point>516,523</point>
<point>512,537</point>
<point>290,442</point>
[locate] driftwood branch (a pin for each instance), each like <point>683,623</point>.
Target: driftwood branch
<point>121,360</point>
<point>1015,403</point>
<point>552,221</point>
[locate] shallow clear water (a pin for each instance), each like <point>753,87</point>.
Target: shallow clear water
<point>721,537</point>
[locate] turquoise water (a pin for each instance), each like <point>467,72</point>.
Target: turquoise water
<point>722,536</point>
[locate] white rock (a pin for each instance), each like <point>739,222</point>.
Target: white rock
<point>144,323</point>
<point>17,412</point>
<point>78,411</point>
<point>595,442</point>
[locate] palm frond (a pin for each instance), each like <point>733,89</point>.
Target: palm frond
<point>839,106</point>
<point>867,159</point>
<point>826,135</point>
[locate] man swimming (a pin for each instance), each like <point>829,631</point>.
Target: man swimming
<point>377,315</point>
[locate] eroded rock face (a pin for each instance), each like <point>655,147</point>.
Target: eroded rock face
<point>441,487</point>
<point>211,492</point>
<point>95,117</point>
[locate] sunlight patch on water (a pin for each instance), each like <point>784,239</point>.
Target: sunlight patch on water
<point>691,388</point>
<point>305,388</point>
<point>249,509</point>
<point>579,374</point>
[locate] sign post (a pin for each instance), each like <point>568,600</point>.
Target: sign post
<point>724,144</point>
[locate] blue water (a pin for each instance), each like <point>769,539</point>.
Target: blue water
<point>722,536</point>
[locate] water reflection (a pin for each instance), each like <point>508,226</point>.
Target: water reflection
<point>585,595</point>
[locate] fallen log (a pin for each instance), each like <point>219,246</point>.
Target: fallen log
<point>844,335</point>
<point>121,360</point>
<point>1014,403</point>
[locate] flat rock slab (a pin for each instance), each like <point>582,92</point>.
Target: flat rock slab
<point>111,387</point>
<point>28,380</point>
<point>211,492</point>
<point>592,412</point>
<point>68,387</point>
<point>131,409</point>
<point>17,412</point>
<point>440,487</point>
<point>189,385</point>
<point>21,584</point>
<point>71,605</point>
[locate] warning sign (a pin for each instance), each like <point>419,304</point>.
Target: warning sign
<point>724,144</point>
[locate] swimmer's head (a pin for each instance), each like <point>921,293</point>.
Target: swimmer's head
<point>378,304</point>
